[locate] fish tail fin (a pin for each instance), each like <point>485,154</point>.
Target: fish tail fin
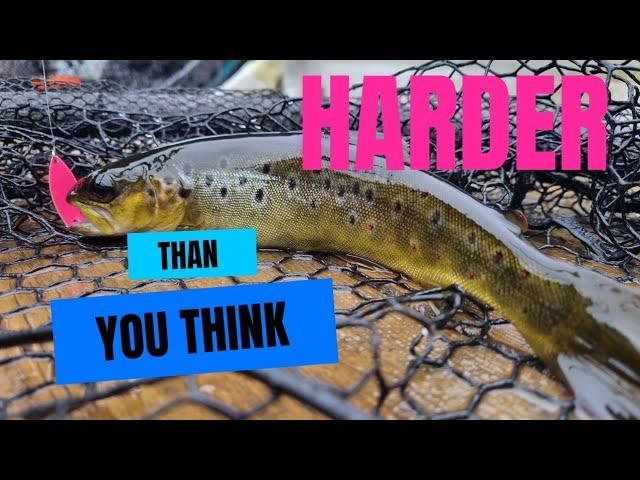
<point>601,389</point>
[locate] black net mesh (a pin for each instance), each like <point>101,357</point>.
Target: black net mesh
<point>405,352</point>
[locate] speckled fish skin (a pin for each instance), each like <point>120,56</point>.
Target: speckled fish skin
<point>584,326</point>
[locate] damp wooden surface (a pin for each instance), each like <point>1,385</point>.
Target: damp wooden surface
<point>480,379</point>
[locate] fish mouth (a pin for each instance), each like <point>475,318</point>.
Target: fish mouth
<point>87,229</point>
<point>100,216</point>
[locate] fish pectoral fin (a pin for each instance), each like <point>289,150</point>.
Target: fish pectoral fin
<point>599,389</point>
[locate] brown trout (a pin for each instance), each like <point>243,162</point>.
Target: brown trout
<point>584,326</point>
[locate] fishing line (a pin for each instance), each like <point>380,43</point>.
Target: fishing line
<point>46,96</point>
<point>61,178</point>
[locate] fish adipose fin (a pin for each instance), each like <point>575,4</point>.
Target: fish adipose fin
<point>518,218</point>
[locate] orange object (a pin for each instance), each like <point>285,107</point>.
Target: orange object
<point>56,81</point>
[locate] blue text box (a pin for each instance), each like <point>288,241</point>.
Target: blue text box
<point>190,251</point>
<point>307,319</point>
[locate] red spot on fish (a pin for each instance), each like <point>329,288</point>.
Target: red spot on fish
<point>370,227</point>
<point>524,274</point>
<point>472,275</point>
<point>438,256</point>
<point>472,238</point>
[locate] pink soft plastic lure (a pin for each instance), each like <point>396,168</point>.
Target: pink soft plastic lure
<point>61,181</point>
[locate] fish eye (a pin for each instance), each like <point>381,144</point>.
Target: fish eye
<point>103,188</point>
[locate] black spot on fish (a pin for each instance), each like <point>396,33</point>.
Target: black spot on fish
<point>313,204</point>
<point>341,191</point>
<point>184,192</point>
<point>292,183</point>
<point>424,194</point>
<point>352,219</point>
<point>368,195</point>
<point>208,179</point>
<point>498,257</point>
<point>266,168</point>
<point>436,217</point>
<point>327,184</point>
<point>356,188</point>
<point>150,192</point>
<point>472,238</point>
<point>259,195</point>
<point>242,180</point>
<point>397,207</point>
<point>223,192</point>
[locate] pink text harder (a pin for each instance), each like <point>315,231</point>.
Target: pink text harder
<point>584,101</point>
